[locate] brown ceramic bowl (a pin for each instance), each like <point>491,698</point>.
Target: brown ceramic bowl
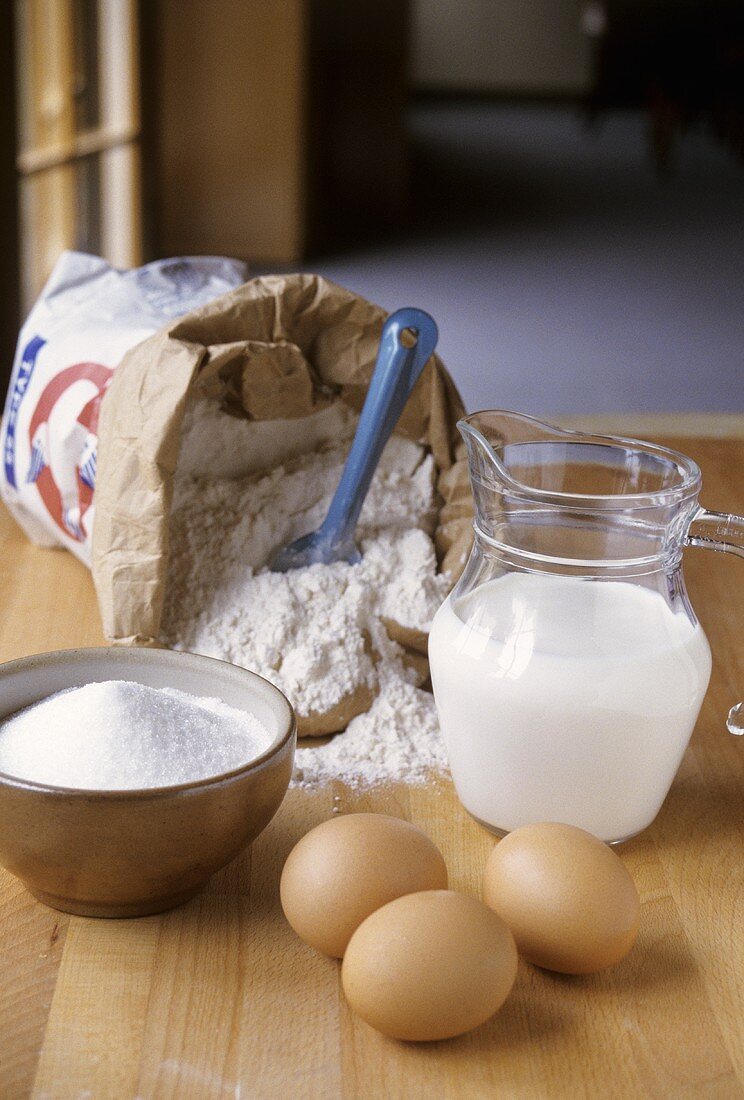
<point>133,852</point>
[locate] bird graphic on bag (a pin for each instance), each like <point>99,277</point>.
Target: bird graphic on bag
<point>64,440</point>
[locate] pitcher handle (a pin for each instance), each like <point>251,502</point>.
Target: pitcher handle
<point>723,532</point>
<point>717,531</point>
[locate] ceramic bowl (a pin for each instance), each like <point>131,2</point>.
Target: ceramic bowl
<point>133,852</point>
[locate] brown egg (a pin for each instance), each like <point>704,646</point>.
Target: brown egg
<point>344,869</point>
<point>429,966</point>
<point>566,896</point>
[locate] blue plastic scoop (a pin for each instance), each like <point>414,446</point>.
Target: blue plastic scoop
<point>409,337</point>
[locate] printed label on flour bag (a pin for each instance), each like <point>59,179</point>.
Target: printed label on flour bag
<point>87,317</point>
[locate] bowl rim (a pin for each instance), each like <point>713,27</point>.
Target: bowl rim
<point>62,656</point>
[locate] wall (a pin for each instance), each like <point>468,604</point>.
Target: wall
<point>278,126</point>
<point>500,46</point>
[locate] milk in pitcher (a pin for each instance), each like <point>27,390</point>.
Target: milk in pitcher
<point>566,699</point>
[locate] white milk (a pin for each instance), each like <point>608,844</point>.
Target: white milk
<point>566,700</point>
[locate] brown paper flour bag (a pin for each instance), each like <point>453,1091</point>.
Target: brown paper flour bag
<point>276,347</point>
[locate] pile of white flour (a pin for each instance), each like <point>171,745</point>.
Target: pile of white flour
<point>317,632</point>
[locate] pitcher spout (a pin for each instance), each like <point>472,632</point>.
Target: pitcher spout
<point>506,450</point>
<point>492,440</point>
<point>536,460</point>
<point>483,463</point>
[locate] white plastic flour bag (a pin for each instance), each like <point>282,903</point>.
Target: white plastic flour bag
<point>89,314</point>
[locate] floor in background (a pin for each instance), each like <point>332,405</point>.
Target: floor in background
<point>565,276</point>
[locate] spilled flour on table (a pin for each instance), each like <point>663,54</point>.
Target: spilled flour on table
<point>398,739</point>
<point>317,632</point>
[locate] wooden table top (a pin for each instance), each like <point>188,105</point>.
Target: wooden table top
<point>219,999</point>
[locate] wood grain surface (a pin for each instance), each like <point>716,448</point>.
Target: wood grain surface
<point>219,999</point>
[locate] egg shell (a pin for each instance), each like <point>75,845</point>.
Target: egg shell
<point>344,869</point>
<point>567,897</point>
<point>429,966</point>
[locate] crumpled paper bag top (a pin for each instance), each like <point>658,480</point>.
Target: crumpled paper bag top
<point>276,347</point>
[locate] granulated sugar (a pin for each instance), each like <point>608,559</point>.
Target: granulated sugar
<point>118,735</point>
<point>317,632</point>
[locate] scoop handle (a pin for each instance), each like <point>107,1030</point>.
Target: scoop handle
<point>396,372</point>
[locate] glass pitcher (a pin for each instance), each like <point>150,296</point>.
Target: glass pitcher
<point>567,663</point>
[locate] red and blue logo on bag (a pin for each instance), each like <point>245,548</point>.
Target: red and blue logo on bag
<point>15,400</point>
<point>63,454</point>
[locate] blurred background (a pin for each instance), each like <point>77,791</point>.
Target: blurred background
<point>559,182</point>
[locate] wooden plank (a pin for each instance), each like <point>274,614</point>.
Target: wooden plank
<point>121,206</point>
<point>728,425</point>
<point>96,1022</point>
<point>9,225</point>
<point>230,168</point>
<point>47,598</point>
<point>552,1023</point>
<point>31,942</point>
<point>121,169</point>
<point>47,205</point>
<point>52,155</point>
<point>118,63</point>
<point>700,831</point>
<point>77,147</point>
<point>47,112</point>
<point>241,1027</point>
<point>219,998</point>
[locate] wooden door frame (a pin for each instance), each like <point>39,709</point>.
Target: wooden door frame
<point>9,238</point>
